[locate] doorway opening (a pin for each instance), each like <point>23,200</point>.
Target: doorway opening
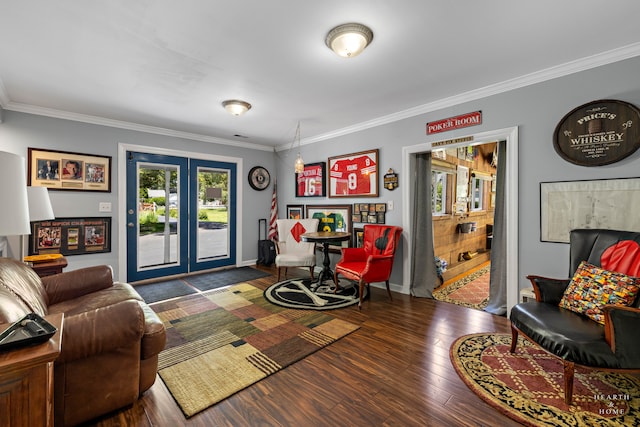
<point>463,204</point>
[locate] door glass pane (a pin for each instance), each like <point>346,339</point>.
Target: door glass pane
<point>213,214</point>
<point>158,215</point>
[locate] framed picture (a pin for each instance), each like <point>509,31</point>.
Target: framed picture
<point>311,182</point>
<point>358,237</point>
<point>60,170</point>
<point>295,211</point>
<point>332,217</point>
<point>70,236</point>
<point>603,203</point>
<point>354,175</point>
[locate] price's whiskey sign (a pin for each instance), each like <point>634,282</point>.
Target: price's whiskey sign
<point>598,133</point>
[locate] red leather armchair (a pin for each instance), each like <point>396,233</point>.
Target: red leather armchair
<point>373,261</point>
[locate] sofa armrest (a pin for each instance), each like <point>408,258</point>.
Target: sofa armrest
<point>622,333</point>
<point>101,330</point>
<point>155,336</point>
<point>73,284</point>
<point>547,289</point>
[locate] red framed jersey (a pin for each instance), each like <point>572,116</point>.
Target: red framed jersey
<point>354,176</point>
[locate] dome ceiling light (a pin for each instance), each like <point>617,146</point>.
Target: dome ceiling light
<point>349,40</point>
<point>236,107</point>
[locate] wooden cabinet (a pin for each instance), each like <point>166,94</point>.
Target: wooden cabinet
<point>26,381</point>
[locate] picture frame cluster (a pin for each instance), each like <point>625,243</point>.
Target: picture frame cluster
<point>369,213</point>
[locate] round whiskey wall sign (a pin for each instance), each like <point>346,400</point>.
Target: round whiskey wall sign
<point>598,133</point>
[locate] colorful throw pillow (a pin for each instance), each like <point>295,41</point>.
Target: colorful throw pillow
<point>593,287</point>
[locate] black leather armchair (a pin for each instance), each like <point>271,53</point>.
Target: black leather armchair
<point>574,338</point>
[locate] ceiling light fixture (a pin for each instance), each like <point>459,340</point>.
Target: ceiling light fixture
<point>349,40</point>
<point>298,166</point>
<point>236,107</point>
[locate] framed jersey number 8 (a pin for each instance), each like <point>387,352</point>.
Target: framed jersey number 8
<point>354,175</point>
<point>311,182</point>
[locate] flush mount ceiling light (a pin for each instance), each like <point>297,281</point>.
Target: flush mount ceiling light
<point>349,40</point>
<point>236,107</point>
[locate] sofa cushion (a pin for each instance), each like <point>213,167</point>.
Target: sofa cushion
<point>564,333</point>
<point>593,287</point>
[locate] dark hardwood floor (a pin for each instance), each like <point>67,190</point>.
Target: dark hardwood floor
<point>393,371</point>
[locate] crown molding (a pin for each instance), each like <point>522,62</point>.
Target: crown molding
<point>582,64</point>
<point>84,118</point>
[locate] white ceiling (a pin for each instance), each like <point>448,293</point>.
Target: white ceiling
<point>165,66</point>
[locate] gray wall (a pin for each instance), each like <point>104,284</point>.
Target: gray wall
<point>535,110</point>
<point>21,131</point>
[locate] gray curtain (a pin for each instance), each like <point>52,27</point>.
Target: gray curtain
<point>498,273</point>
<point>423,264</point>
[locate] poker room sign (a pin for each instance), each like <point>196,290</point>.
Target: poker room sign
<point>598,133</point>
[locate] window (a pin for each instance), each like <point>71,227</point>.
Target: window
<point>477,193</point>
<point>438,193</point>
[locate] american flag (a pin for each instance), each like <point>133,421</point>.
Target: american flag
<point>273,228</point>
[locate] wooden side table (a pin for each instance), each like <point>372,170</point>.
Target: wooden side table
<point>26,380</point>
<point>49,268</point>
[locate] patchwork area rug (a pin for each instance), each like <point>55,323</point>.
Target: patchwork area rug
<point>528,386</point>
<point>471,291</point>
<point>297,293</point>
<point>224,340</point>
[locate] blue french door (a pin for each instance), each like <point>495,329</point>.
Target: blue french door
<point>180,215</point>
<point>213,200</point>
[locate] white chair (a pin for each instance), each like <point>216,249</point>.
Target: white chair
<point>292,251</point>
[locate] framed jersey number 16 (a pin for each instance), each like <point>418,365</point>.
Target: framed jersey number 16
<point>311,182</point>
<point>354,175</point>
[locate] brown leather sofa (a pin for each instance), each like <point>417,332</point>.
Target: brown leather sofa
<point>110,341</point>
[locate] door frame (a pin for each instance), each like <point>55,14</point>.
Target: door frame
<point>510,135</point>
<point>121,224</point>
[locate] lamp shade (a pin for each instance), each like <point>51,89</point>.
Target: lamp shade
<point>14,217</point>
<point>39,204</point>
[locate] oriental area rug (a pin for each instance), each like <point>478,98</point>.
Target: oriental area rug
<point>528,386</point>
<point>224,340</point>
<point>471,291</point>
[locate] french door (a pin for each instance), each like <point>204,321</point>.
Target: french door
<point>181,215</point>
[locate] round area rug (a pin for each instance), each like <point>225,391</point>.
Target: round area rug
<point>297,293</point>
<point>527,386</point>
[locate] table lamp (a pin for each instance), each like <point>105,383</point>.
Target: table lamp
<point>14,218</point>
<point>39,204</point>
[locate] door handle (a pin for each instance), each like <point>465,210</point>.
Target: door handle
<point>131,225</point>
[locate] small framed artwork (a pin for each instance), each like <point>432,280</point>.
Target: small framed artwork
<point>311,182</point>
<point>358,237</point>
<point>295,211</point>
<point>70,236</point>
<point>60,170</point>
<point>354,175</point>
